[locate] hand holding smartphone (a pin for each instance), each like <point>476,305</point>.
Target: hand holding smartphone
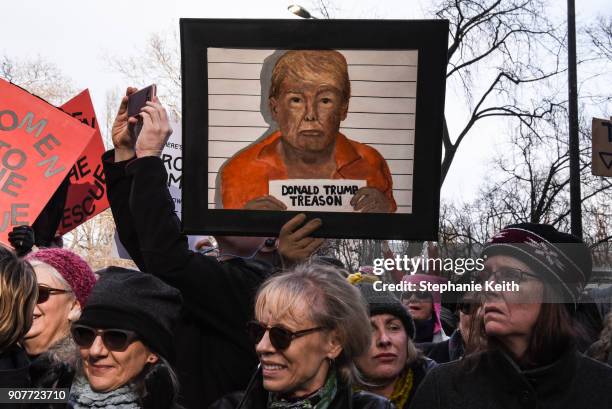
<point>137,101</point>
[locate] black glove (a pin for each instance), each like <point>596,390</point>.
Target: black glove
<point>22,239</point>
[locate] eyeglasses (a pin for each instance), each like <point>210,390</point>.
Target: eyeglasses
<point>45,292</point>
<point>280,338</point>
<point>506,274</point>
<point>113,339</point>
<point>419,295</point>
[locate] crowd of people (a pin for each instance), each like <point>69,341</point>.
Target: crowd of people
<point>265,323</point>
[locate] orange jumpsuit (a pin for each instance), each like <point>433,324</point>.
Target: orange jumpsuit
<point>246,175</point>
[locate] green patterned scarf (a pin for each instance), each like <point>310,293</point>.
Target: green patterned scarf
<point>321,399</point>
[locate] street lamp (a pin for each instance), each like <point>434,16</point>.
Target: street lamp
<point>574,142</point>
<point>300,11</point>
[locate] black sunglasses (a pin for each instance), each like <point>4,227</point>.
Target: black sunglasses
<point>280,338</point>
<point>113,339</point>
<point>419,295</point>
<point>45,292</point>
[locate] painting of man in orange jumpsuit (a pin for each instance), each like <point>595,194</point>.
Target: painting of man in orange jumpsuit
<point>308,99</point>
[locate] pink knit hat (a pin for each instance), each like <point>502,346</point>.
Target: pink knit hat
<point>72,267</point>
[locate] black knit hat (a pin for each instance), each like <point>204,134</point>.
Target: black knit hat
<point>562,260</point>
<point>135,301</point>
<point>384,302</point>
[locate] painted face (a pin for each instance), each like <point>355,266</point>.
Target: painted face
<point>387,355</point>
<point>51,319</point>
<point>302,368</point>
<point>308,111</point>
<point>504,313</point>
<point>108,370</point>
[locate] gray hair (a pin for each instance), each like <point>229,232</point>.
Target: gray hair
<point>331,302</point>
<point>56,274</point>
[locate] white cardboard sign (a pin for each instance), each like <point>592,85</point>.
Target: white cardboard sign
<point>172,157</point>
<point>322,195</point>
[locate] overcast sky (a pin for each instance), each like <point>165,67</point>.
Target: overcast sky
<point>78,35</point>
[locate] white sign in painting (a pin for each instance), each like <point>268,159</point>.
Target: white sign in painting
<point>322,195</point>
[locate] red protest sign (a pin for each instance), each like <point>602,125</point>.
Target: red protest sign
<point>87,191</point>
<point>38,146</point>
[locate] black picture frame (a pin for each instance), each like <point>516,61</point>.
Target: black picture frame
<point>429,37</point>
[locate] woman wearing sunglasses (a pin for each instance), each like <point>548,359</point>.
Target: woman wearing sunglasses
<point>65,281</point>
<point>17,300</point>
<point>309,325</point>
<point>125,337</point>
<point>425,308</point>
<point>530,359</point>
<point>392,367</point>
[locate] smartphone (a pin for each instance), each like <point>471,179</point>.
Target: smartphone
<point>139,99</point>
<point>136,102</point>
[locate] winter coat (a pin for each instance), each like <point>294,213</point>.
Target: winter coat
<point>573,381</point>
<point>55,368</point>
<point>445,351</point>
<point>46,372</point>
<point>14,372</point>
<point>256,397</point>
<point>213,354</point>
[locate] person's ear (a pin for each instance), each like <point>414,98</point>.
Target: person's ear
<point>343,111</point>
<point>334,345</point>
<point>152,358</point>
<point>75,311</point>
<point>273,107</point>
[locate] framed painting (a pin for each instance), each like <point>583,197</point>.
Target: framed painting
<point>340,119</point>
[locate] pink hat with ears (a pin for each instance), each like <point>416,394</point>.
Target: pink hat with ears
<point>437,298</point>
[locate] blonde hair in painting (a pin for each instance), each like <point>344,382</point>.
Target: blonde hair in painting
<point>296,63</point>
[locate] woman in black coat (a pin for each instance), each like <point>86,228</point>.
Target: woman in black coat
<point>530,358</point>
<point>18,293</point>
